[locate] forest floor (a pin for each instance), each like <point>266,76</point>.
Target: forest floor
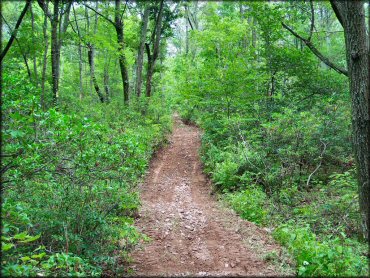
<point>191,232</point>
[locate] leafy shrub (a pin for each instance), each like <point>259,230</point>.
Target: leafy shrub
<point>249,204</point>
<point>332,256</point>
<point>22,254</point>
<point>74,169</point>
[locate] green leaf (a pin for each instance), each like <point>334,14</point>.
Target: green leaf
<point>31,238</point>
<point>6,246</point>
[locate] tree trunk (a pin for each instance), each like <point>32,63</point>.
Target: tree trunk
<point>58,28</point>
<point>91,53</point>
<point>121,58</point>
<point>36,77</point>
<point>80,70</point>
<point>88,31</point>
<point>55,51</point>
<point>152,58</point>
<point>351,15</point>
<point>45,58</point>
<point>91,59</point>
<point>106,81</point>
<point>79,56</point>
<point>140,55</point>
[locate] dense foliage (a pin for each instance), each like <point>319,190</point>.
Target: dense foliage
<point>277,130</point>
<point>70,190</point>
<point>70,172</point>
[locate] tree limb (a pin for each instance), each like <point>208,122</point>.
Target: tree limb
<point>12,37</point>
<point>103,16</point>
<point>44,7</point>
<point>315,51</point>
<point>338,10</point>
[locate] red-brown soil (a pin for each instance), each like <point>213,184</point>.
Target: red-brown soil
<point>192,233</point>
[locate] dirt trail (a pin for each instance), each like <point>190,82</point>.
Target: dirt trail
<point>192,233</point>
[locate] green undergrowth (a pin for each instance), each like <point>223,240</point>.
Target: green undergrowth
<point>69,194</point>
<point>261,176</point>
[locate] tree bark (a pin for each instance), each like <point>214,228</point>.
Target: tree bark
<point>351,15</point>
<point>152,58</point>
<point>140,54</point>
<point>118,24</point>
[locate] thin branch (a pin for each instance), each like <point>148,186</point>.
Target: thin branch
<point>315,51</point>
<point>23,53</point>
<point>319,165</point>
<point>124,9</point>
<point>191,25</point>
<point>103,16</point>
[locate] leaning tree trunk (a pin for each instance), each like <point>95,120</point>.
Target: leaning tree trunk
<point>121,58</point>
<point>140,55</point>
<point>91,53</point>
<point>351,15</point>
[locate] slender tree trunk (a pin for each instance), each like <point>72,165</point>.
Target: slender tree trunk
<point>45,58</point>
<point>351,15</point>
<point>35,74</point>
<point>106,80</point>
<point>92,72</point>
<point>58,28</point>
<point>55,51</point>
<point>187,28</point>
<point>79,56</point>
<point>152,58</point>
<point>87,31</point>
<point>140,55</point>
<point>121,58</point>
<point>80,70</point>
<point>91,58</point>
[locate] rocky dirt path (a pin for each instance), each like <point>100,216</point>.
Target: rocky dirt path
<point>192,233</point>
